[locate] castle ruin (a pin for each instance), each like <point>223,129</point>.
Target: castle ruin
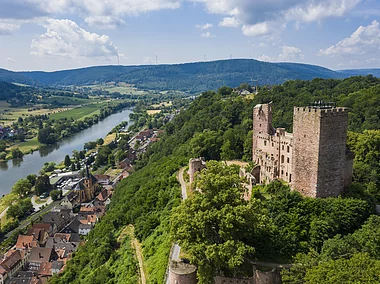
<point>313,159</point>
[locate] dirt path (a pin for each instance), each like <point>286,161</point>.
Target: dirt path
<point>130,231</point>
<point>182,182</point>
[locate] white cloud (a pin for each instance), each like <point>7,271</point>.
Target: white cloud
<point>288,53</point>
<point>99,13</point>
<point>229,22</point>
<point>254,15</point>
<point>259,44</point>
<point>256,30</point>
<point>316,10</point>
<point>207,35</point>
<point>11,60</point>
<point>365,40</point>
<point>104,22</point>
<point>205,26</point>
<point>7,28</point>
<point>65,38</point>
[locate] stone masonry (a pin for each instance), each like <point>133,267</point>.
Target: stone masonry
<point>314,159</point>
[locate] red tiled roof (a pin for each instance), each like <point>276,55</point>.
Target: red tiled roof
<point>25,242</point>
<point>45,269</point>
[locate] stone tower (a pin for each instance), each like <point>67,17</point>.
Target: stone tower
<point>262,121</point>
<point>321,165</point>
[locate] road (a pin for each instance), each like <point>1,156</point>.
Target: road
<point>183,183</point>
<point>31,218</point>
<point>176,250</point>
<point>37,206</point>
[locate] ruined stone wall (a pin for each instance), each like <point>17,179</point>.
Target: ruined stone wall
<point>182,273</point>
<point>230,280</point>
<point>267,277</point>
<point>196,165</point>
<point>272,148</point>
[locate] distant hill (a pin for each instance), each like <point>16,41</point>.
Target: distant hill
<point>361,72</point>
<point>15,77</point>
<point>191,77</point>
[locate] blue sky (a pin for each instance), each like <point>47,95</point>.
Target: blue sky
<point>65,34</point>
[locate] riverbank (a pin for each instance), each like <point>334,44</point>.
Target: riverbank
<point>14,170</point>
<point>87,115</point>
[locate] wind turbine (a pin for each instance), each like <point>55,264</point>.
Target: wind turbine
<point>205,58</point>
<point>156,59</point>
<point>118,60</point>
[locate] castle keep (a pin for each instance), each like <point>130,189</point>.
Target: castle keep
<point>313,159</point>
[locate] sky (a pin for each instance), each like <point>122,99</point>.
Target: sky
<point>65,34</point>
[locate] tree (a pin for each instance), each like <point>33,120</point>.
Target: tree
<point>55,194</point>
<point>89,145</point>
<point>48,167</point>
<point>67,161</point>
<point>22,187</point>
<point>20,208</point>
<point>361,268</point>
<point>32,179</point>
<point>3,145</point>
<point>206,144</point>
<point>16,153</point>
<point>42,184</point>
<point>212,226</point>
<point>100,141</point>
<point>81,155</point>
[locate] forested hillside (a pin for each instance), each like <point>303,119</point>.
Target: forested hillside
<point>276,224</point>
<point>189,77</point>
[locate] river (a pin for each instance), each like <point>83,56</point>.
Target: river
<point>13,170</point>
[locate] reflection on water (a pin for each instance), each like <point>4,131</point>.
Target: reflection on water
<point>46,150</point>
<point>14,170</point>
<point>17,162</point>
<point>3,166</point>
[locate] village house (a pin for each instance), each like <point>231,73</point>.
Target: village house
<point>58,220</point>
<point>14,260</point>
<point>39,256</point>
<point>26,242</point>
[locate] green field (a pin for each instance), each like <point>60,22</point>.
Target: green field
<point>27,146</point>
<point>79,112</point>
<point>123,89</point>
<point>68,100</point>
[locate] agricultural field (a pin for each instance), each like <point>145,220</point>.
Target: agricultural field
<point>153,111</point>
<point>163,104</point>
<point>122,88</point>
<point>78,112</point>
<point>67,100</point>
<point>10,114</point>
<point>27,146</point>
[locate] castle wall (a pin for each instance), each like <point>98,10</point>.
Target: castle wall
<point>272,149</point>
<point>196,165</point>
<point>332,152</point>
<point>182,273</point>
<point>320,151</point>
<point>313,159</point>
<point>306,131</point>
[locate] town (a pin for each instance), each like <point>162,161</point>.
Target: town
<point>49,243</point>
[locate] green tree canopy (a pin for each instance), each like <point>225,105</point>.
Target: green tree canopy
<point>67,161</point>
<point>42,184</point>
<point>214,223</point>
<point>22,187</point>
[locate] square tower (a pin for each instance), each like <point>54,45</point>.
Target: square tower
<point>319,150</point>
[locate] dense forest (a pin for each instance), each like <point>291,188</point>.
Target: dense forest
<point>188,77</point>
<point>319,236</point>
